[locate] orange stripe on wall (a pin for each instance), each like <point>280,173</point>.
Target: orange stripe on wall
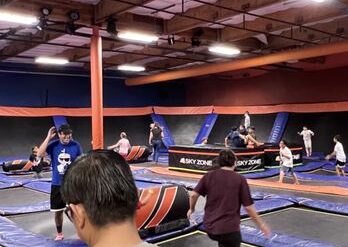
<point>183,110</point>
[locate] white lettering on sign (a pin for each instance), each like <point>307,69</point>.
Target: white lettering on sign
<point>187,161</point>
<point>249,162</point>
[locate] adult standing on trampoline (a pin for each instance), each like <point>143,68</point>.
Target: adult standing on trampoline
<point>307,139</point>
<point>63,151</point>
<point>155,139</point>
<point>225,192</point>
<point>340,156</point>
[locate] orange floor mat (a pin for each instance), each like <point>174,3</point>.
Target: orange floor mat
<point>258,182</point>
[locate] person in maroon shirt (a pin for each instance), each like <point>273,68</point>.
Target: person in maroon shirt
<point>225,192</point>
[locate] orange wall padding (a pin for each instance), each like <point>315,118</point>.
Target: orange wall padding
<point>295,108</point>
<point>183,110</point>
<point>139,111</point>
<point>70,112</point>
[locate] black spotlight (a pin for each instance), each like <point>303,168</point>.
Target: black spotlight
<point>195,41</point>
<point>70,28</point>
<point>74,15</point>
<point>111,26</point>
<point>171,39</point>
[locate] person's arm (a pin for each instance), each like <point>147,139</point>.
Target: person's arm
<point>42,149</point>
<point>300,133</point>
<point>150,137</point>
<point>193,201</point>
<point>258,221</point>
<point>312,133</point>
<point>162,135</point>
<point>226,139</point>
<point>114,146</point>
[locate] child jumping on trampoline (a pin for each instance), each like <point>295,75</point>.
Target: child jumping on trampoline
<point>340,156</point>
<point>286,162</point>
<point>307,139</point>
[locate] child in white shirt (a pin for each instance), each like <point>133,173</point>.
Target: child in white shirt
<point>340,156</point>
<point>286,162</point>
<point>307,139</point>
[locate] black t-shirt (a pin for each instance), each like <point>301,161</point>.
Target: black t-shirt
<point>156,133</point>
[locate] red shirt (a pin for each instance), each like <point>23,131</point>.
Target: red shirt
<point>226,191</point>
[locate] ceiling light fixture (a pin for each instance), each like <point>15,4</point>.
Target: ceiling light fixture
<point>319,1</point>
<point>139,37</point>
<point>129,67</point>
<point>224,50</point>
<point>51,60</point>
<point>18,18</point>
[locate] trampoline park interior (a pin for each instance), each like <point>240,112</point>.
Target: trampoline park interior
<point>195,67</point>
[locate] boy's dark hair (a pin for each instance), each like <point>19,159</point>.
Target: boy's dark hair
<point>285,142</point>
<point>234,128</point>
<point>338,138</point>
<point>226,158</point>
<point>102,181</point>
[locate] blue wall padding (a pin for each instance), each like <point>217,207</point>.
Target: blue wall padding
<point>168,139</point>
<point>13,236</point>
<point>206,128</point>
<point>255,236</point>
<point>44,187</point>
<point>59,120</point>
<point>37,207</point>
<point>278,127</point>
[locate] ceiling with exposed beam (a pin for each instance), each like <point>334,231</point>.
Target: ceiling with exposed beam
<point>255,27</point>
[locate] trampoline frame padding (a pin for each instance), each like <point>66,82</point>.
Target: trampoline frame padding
<point>284,226</point>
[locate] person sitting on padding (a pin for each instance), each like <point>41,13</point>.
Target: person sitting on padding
<point>251,140</point>
<point>38,163</point>
<point>122,146</point>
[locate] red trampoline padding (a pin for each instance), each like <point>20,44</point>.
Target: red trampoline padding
<point>162,209</point>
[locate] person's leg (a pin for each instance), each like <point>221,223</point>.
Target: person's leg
<point>338,171</point>
<point>281,175</point>
<point>155,151</point>
<point>58,219</point>
<point>295,177</point>
<point>57,206</point>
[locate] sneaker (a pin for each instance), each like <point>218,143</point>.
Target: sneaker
<point>59,237</point>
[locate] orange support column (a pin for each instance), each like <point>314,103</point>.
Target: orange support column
<point>97,90</point>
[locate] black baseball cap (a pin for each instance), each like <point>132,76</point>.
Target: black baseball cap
<point>65,129</point>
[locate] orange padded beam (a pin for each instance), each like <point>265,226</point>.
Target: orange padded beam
<point>97,90</point>
<point>315,51</point>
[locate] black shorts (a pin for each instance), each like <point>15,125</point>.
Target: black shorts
<point>57,203</point>
<point>233,239</point>
<point>340,164</point>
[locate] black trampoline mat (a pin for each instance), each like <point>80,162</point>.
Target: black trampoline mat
<point>196,238</point>
<point>33,175</point>
<point>43,223</point>
<point>308,224</point>
<point>21,196</point>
